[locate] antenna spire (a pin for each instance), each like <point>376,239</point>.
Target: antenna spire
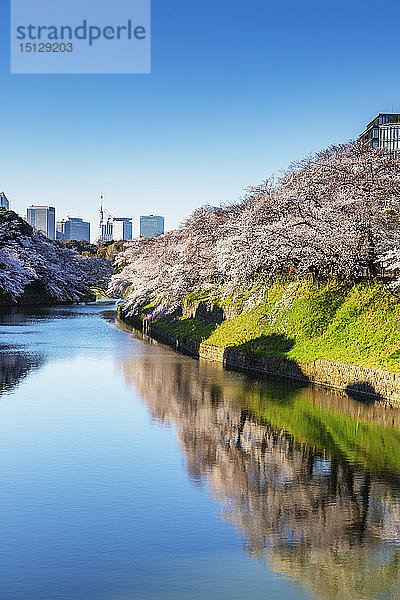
<point>101,216</point>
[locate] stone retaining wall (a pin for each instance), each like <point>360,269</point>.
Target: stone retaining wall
<point>350,378</point>
<point>353,379</point>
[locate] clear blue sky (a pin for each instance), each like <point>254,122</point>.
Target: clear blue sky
<point>238,90</point>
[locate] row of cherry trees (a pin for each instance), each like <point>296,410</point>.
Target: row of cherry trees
<point>335,212</point>
<point>29,259</point>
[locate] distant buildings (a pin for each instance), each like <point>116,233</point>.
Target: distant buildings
<point>111,229</point>
<point>73,228</point>
<point>122,228</point>
<point>151,226</point>
<point>43,218</point>
<point>4,203</point>
<point>116,229</point>
<point>384,131</point>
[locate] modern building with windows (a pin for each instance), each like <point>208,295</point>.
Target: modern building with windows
<point>43,218</point>
<point>122,229</point>
<point>384,131</point>
<point>73,228</point>
<point>4,203</point>
<point>106,233</point>
<point>151,226</point>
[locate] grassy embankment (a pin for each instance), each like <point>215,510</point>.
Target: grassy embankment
<point>303,321</point>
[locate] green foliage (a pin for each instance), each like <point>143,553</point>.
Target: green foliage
<point>202,294</point>
<point>81,246</point>
<point>108,250</point>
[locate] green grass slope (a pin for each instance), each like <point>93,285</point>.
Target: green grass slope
<point>303,321</point>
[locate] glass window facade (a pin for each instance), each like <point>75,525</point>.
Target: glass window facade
<point>122,228</point>
<point>384,132</point>
<point>107,232</point>
<point>43,218</point>
<point>151,226</point>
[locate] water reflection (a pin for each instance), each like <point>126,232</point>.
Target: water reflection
<point>311,479</point>
<point>26,329</point>
<point>14,366</point>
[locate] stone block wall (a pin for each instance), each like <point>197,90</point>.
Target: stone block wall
<point>352,379</point>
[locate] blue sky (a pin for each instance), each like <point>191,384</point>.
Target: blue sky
<point>237,91</point>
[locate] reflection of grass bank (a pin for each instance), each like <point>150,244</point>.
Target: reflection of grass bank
<point>375,447</point>
<point>367,573</point>
<point>352,324</point>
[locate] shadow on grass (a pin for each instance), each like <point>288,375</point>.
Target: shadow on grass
<point>275,345</point>
<point>206,314</point>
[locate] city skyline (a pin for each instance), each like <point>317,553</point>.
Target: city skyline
<point>113,228</point>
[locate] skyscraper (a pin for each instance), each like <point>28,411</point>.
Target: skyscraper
<point>151,226</point>
<point>73,228</point>
<point>122,228</point>
<point>384,131</point>
<point>43,218</point>
<point>4,201</point>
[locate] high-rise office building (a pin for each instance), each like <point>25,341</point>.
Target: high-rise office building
<point>43,218</point>
<point>151,226</point>
<point>384,131</point>
<point>122,228</point>
<point>4,203</point>
<point>73,228</point>
<point>106,234</point>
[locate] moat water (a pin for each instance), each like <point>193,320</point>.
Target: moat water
<point>130,472</point>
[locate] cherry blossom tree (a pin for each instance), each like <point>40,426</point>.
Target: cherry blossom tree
<point>333,213</point>
<point>30,260</point>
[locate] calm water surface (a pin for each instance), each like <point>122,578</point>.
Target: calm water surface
<point>128,471</point>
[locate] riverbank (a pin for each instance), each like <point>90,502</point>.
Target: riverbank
<point>331,334</point>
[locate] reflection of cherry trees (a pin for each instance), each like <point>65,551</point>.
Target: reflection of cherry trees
<point>14,366</point>
<point>310,515</point>
<point>334,212</point>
